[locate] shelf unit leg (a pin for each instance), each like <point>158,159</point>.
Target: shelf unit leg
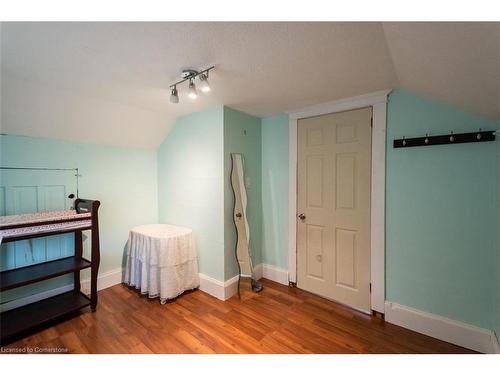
<point>93,285</point>
<point>78,254</point>
<point>93,282</point>
<point>95,261</point>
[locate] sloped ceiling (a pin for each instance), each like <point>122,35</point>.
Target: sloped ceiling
<point>108,82</point>
<point>457,63</point>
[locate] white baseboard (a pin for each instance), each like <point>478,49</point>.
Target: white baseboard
<point>270,272</point>
<point>227,289</point>
<point>495,343</point>
<point>453,331</point>
<point>222,290</point>
<point>274,273</point>
<point>212,286</point>
<point>104,280</point>
<point>230,287</point>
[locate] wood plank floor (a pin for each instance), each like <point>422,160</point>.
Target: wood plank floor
<point>278,320</point>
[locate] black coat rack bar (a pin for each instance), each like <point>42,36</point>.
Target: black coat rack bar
<point>479,136</point>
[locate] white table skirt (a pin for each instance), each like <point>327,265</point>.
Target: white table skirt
<point>161,260</point>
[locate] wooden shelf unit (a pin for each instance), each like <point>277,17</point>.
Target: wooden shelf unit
<point>19,321</point>
<point>28,275</point>
<point>24,319</point>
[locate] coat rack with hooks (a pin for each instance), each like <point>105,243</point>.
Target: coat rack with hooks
<point>479,136</point>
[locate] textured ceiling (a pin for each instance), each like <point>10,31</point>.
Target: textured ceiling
<point>108,82</point>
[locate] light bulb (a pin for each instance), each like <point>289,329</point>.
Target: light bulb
<point>205,87</point>
<point>174,97</point>
<point>192,90</point>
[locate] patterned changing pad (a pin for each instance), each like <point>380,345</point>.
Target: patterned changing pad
<point>38,219</point>
<point>41,217</point>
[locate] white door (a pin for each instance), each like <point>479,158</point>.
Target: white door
<point>333,204</point>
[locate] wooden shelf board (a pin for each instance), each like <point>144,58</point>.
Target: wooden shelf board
<point>27,275</point>
<point>15,322</point>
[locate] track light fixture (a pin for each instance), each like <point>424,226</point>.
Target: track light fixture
<point>190,75</point>
<point>205,87</point>
<point>193,94</point>
<point>174,96</point>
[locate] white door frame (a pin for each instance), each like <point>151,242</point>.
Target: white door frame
<point>378,101</point>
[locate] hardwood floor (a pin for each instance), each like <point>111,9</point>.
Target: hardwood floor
<point>278,320</point>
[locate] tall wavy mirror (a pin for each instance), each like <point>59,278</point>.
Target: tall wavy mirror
<point>242,251</point>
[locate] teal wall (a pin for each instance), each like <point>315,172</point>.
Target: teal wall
<point>441,217</point>
<point>191,184</point>
<point>123,179</point>
<point>242,134</point>
<point>497,328</point>
<point>275,143</point>
<point>442,213</point>
<point>194,189</point>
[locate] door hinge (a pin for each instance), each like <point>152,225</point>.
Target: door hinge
<point>371,122</point>
<point>370,287</point>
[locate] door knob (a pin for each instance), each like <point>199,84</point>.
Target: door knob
<point>301,217</point>
<point>238,215</point>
